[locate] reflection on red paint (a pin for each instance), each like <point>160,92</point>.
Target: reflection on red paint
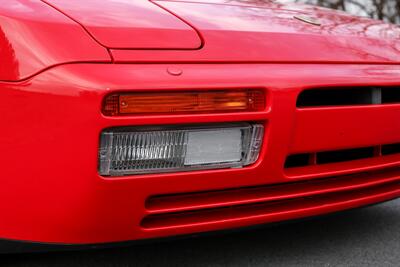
<point>9,61</point>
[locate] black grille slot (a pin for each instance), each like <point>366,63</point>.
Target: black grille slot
<point>298,160</point>
<point>337,156</point>
<point>391,95</point>
<point>391,149</point>
<point>344,155</point>
<point>348,96</point>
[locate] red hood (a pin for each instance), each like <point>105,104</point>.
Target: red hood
<point>232,30</point>
<point>129,24</point>
<point>254,31</point>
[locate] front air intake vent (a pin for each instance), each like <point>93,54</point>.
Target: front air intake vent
<point>337,156</point>
<point>298,160</point>
<point>344,155</point>
<point>348,96</point>
<point>390,95</point>
<point>270,202</point>
<point>391,149</point>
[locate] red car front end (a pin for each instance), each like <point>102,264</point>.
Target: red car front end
<point>331,103</point>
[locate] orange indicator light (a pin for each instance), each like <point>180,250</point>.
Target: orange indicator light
<point>184,102</point>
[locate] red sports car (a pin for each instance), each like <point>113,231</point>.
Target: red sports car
<point>126,120</point>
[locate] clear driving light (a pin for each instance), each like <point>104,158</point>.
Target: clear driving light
<point>125,151</point>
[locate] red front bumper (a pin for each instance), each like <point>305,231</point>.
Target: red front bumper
<point>51,191</point>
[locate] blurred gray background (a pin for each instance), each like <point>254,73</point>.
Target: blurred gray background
<point>387,10</point>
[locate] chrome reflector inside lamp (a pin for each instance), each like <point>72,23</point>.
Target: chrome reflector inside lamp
<point>128,151</point>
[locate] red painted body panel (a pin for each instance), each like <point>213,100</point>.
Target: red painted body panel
<point>330,125</point>
<point>51,116</point>
<point>130,24</point>
<point>34,36</point>
<point>269,33</point>
<point>51,189</point>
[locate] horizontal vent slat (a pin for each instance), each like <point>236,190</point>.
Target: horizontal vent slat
<point>241,196</point>
<point>273,210</point>
<point>338,156</point>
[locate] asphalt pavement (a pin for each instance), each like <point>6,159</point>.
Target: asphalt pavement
<point>364,237</point>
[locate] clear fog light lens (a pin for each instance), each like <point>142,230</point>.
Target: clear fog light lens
<point>126,151</point>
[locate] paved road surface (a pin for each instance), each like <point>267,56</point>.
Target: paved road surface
<point>366,237</point>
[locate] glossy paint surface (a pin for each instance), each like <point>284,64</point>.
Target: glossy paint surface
<point>51,188</point>
<point>130,24</point>
<point>269,33</point>
<point>58,70</point>
<point>34,36</point>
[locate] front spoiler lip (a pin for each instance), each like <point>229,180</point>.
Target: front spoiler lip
<point>18,247</point>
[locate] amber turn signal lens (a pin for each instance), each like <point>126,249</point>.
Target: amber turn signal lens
<point>184,102</point>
